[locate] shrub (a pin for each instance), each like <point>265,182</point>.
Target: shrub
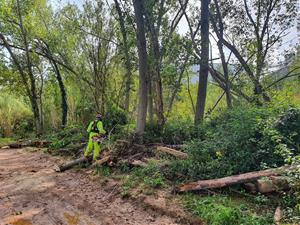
<point>71,135</point>
<point>240,140</point>
<point>174,132</point>
<point>288,125</point>
<point>113,117</point>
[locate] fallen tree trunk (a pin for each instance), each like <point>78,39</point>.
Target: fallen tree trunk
<point>176,153</point>
<point>29,143</point>
<point>231,180</point>
<point>178,146</point>
<point>71,164</point>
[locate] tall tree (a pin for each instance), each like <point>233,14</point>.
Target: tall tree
<point>254,27</point>
<point>204,67</point>
<point>143,66</point>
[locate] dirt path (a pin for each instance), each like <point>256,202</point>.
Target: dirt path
<point>32,193</point>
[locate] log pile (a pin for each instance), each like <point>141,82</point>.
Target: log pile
<point>128,153</point>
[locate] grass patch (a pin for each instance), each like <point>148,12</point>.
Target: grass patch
<point>6,141</point>
<point>224,210</point>
<point>146,180</point>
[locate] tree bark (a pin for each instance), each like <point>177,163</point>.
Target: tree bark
<point>150,102</point>
<point>203,73</point>
<point>143,73</point>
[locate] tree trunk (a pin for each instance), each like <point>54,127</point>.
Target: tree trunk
<point>203,73</point>
<point>220,30</point>
<point>157,77</point>
<point>127,56</point>
<point>150,102</point>
<point>143,73</point>
<point>64,103</point>
<point>177,85</point>
<point>226,74</point>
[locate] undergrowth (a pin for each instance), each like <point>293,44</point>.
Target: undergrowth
<point>145,179</point>
<point>6,141</point>
<point>223,210</point>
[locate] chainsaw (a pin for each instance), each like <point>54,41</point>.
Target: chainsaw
<point>101,138</point>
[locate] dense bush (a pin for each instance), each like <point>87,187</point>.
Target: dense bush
<point>71,135</point>
<point>174,132</point>
<point>115,117</point>
<point>288,125</point>
<point>240,140</point>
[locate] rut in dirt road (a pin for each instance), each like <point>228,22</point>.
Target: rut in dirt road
<point>32,193</point>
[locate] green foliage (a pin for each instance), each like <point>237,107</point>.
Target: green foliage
<point>15,115</point>
<point>239,140</point>
<point>103,170</point>
<point>219,210</point>
<point>288,125</point>
<point>5,141</point>
<point>115,116</point>
<point>174,132</point>
<point>71,135</point>
<point>146,178</point>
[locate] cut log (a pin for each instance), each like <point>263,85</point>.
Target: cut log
<point>272,184</point>
<point>102,161</point>
<point>176,153</point>
<point>71,164</point>
<point>231,180</point>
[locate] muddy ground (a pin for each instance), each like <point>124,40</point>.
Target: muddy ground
<point>31,192</point>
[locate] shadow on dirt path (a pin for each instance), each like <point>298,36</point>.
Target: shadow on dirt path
<point>32,193</point>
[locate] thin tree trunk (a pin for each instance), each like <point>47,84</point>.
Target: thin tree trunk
<point>63,92</point>
<point>157,75</point>
<point>190,95</point>
<point>177,85</point>
<point>203,73</point>
<point>143,73</point>
<point>127,56</point>
<point>150,103</point>
<point>220,30</point>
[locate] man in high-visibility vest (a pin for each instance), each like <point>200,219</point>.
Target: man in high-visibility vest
<point>95,130</point>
